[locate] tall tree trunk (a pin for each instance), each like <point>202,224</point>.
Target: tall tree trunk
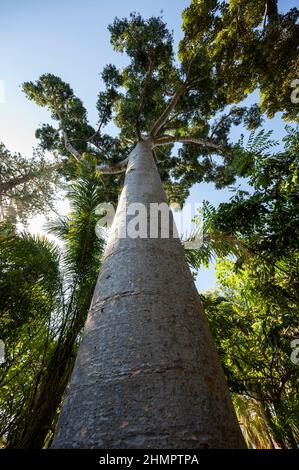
<point>266,415</point>
<point>147,374</point>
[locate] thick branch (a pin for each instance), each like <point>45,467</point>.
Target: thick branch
<point>148,77</point>
<point>171,105</point>
<point>171,139</point>
<point>23,179</point>
<point>118,167</point>
<point>8,185</point>
<point>67,143</point>
<point>163,119</point>
<point>70,148</point>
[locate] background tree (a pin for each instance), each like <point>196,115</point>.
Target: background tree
<point>29,283</point>
<point>27,186</point>
<point>47,291</point>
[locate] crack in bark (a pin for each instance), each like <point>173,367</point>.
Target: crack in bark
<point>99,303</point>
<point>129,373</point>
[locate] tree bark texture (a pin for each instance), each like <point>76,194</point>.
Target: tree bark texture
<point>147,374</point>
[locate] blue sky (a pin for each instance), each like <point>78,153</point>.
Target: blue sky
<point>69,38</point>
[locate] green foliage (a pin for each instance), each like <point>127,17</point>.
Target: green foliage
<point>29,282</point>
<point>254,313</point>
<point>46,295</point>
<point>265,219</point>
<point>251,44</point>
<point>134,97</point>
<point>148,78</point>
<point>254,319</point>
<point>29,279</point>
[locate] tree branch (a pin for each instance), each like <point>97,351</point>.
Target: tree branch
<point>169,139</point>
<point>162,120</point>
<point>70,148</point>
<point>67,143</point>
<point>90,139</point>
<point>8,185</point>
<point>24,178</point>
<point>168,126</point>
<point>100,123</point>
<point>171,105</point>
<point>118,167</point>
<point>196,80</point>
<point>223,119</point>
<point>148,77</point>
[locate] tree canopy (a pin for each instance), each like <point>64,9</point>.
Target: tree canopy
<point>154,94</point>
<point>252,45</point>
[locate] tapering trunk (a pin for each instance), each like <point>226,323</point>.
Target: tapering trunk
<point>147,374</point>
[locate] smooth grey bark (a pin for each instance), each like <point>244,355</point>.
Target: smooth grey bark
<point>147,374</point>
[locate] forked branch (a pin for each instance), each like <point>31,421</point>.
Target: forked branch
<point>171,105</point>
